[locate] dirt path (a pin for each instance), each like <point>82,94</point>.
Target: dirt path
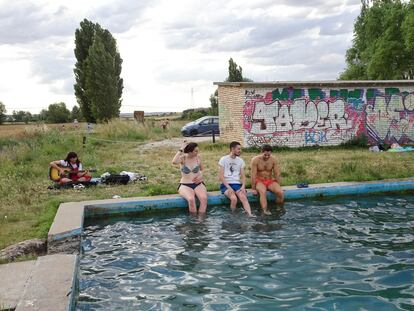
<point>175,142</point>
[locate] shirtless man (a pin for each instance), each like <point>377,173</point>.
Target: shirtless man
<point>266,176</point>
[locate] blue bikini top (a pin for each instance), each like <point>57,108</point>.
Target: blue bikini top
<point>186,170</point>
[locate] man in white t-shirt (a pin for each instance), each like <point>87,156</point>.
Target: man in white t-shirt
<point>233,179</point>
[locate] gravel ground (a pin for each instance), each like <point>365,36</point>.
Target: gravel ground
<point>175,142</point>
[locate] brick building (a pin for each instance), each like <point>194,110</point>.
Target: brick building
<point>310,113</point>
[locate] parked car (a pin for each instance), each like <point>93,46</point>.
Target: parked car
<point>205,125</point>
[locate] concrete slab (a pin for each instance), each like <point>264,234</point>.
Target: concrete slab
<point>49,287</point>
<point>13,278</point>
<point>68,217</point>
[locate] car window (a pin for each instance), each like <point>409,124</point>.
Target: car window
<point>205,122</point>
<point>200,119</point>
<point>215,120</point>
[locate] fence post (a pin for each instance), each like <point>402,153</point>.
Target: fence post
<point>83,141</point>
<point>214,137</point>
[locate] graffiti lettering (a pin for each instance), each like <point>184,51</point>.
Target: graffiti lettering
<point>315,137</point>
<point>274,117</point>
<point>299,117</point>
<point>389,119</point>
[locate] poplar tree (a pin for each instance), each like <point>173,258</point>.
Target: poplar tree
<point>235,75</point>
<point>99,86</point>
<point>235,72</point>
<point>101,82</point>
<point>83,41</point>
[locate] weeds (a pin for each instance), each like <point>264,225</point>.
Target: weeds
<point>360,141</point>
<point>348,167</point>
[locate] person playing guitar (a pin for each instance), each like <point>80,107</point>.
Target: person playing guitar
<point>70,170</point>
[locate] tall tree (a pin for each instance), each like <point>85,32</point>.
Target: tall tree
<point>92,37</point>
<point>2,113</point>
<point>83,41</point>
<point>102,82</point>
<point>379,50</point>
<point>235,72</point>
<point>235,75</point>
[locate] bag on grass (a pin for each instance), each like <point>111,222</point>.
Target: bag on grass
<point>116,179</point>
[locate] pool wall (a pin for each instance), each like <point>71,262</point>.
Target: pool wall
<point>65,233</point>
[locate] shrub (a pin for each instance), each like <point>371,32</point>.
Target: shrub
<point>360,141</point>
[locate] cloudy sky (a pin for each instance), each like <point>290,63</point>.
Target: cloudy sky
<point>172,50</point>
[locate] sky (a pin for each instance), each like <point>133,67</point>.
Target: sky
<point>172,51</point>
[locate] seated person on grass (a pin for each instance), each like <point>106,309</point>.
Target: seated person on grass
<point>266,176</point>
<point>70,170</point>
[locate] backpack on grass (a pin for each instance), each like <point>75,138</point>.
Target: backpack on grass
<point>116,179</point>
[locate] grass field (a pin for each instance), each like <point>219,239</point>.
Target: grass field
<point>20,129</point>
<point>27,207</point>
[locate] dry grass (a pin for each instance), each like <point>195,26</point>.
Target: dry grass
<point>20,130</point>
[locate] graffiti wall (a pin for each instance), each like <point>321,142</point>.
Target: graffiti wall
<point>304,117</point>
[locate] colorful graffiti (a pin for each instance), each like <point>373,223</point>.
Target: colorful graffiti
<point>391,119</point>
<point>302,117</point>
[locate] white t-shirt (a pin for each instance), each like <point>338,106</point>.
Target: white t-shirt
<point>232,168</point>
<point>74,166</point>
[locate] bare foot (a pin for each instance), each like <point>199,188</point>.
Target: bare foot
<point>267,212</point>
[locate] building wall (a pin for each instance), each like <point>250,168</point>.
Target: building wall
<point>296,116</point>
<point>231,113</point>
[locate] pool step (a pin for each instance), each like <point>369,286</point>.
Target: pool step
<point>42,284</point>
<point>13,278</point>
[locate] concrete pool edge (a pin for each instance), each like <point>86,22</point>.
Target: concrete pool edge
<point>65,232</point>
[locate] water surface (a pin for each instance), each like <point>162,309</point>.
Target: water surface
<point>342,254</point>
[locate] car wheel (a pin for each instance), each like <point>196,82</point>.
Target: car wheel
<point>193,132</point>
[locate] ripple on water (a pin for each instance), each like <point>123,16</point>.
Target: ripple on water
<point>319,255</point>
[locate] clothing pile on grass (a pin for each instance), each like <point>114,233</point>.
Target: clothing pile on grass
<point>122,178</point>
<point>393,148</point>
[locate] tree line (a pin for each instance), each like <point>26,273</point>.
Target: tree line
<point>56,113</point>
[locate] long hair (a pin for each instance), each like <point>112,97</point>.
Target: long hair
<point>70,156</point>
<point>190,147</point>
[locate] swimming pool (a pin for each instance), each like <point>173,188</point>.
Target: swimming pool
<point>342,254</point>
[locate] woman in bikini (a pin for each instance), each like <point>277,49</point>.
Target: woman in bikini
<point>191,183</point>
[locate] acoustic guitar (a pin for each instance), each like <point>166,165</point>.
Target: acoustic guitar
<point>54,173</point>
